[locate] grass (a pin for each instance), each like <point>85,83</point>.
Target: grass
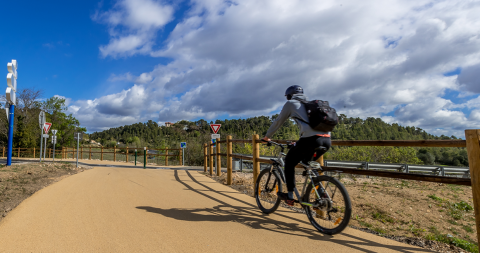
<point>448,239</point>
<point>455,210</point>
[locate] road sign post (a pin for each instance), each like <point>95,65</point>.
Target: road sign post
<point>183,145</point>
<point>78,136</point>
<point>11,101</point>
<point>41,122</point>
<point>46,128</point>
<point>54,141</point>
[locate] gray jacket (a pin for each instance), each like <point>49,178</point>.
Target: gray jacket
<point>294,109</point>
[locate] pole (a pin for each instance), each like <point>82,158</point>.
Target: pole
<point>135,157</point>
<point>211,158</point>
<point>78,142</point>
<point>41,143</point>
<point>256,155</point>
<point>54,142</point>
<point>144,157</point>
<point>229,160</point>
<point>10,135</point>
<point>219,159</point>
<point>183,156</point>
<point>45,149</point>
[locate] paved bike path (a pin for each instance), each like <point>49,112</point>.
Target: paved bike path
<point>109,209</point>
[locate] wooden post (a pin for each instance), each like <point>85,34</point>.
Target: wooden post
<point>126,154</point>
<point>211,159</point>
<point>473,149</point>
<point>33,151</point>
<point>114,153</point>
<point>205,157</point>
<point>18,153</point>
<point>219,159</point>
<point>90,153</point>
<point>166,156</point>
<point>101,155</point>
<point>3,155</point>
<point>256,155</point>
<point>229,160</point>
<point>49,151</point>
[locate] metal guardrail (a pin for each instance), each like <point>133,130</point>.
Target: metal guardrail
<point>406,168</point>
<point>464,172</point>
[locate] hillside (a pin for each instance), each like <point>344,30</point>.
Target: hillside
<point>196,133</point>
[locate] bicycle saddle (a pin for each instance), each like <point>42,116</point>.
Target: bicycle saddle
<point>320,150</point>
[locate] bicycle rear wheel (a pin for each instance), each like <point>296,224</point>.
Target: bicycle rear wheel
<point>334,206</point>
<point>266,188</point>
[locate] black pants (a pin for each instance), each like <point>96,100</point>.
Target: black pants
<point>303,151</point>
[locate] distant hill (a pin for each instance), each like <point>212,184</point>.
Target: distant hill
<point>195,133</point>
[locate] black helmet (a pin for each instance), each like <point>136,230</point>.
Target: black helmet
<point>294,89</point>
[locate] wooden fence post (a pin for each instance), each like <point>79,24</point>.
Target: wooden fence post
<point>229,160</point>
<point>114,153</point>
<point>3,155</point>
<point>33,152</point>
<point>126,154</point>
<point>90,153</point>
<point>211,158</point>
<point>49,151</point>
<point>18,153</point>
<point>256,155</point>
<point>101,158</point>
<point>473,149</point>
<point>219,159</point>
<point>166,156</point>
<point>205,157</point>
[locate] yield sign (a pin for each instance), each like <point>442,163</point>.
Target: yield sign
<point>215,127</point>
<point>46,127</point>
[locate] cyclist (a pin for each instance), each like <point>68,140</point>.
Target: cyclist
<point>304,148</point>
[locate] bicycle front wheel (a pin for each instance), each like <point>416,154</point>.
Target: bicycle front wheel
<point>329,214</point>
<point>266,188</point>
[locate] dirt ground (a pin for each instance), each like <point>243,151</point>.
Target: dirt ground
<point>430,215</point>
<point>20,181</point>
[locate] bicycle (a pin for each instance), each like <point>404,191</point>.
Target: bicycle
<point>327,214</point>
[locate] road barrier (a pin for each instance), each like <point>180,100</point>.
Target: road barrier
<point>471,142</point>
<point>108,154</point>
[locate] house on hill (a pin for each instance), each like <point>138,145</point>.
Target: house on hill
<point>168,124</point>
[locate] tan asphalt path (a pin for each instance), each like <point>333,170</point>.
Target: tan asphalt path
<point>108,209</point>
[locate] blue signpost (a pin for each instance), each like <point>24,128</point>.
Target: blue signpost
<point>183,145</point>
<point>10,106</point>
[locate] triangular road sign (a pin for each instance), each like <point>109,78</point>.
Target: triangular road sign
<point>46,127</point>
<point>215,127</point>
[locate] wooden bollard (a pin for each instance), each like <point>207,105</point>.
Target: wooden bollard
<point>166,156</point>
<point>115,153</point>
<point>256,155</point>
<point>126,154</point>
<point>219,159</point>
<point>473,149</point>
<point>101,156</point>
<point>205,157</point>
<point>229,160</point>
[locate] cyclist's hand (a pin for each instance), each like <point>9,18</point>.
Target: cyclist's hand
<point>265,139</point>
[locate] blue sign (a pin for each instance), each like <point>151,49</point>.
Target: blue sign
<point>214,141</point>
<point>183,144</point>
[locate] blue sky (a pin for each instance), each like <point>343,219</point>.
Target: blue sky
<point>120,62</point>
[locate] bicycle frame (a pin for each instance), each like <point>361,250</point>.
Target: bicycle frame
<point>280,164</point>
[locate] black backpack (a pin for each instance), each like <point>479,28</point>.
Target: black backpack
<point>321,116</point>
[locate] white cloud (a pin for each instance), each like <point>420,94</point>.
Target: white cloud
<point>133,25</point>
<point>367,58</point>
